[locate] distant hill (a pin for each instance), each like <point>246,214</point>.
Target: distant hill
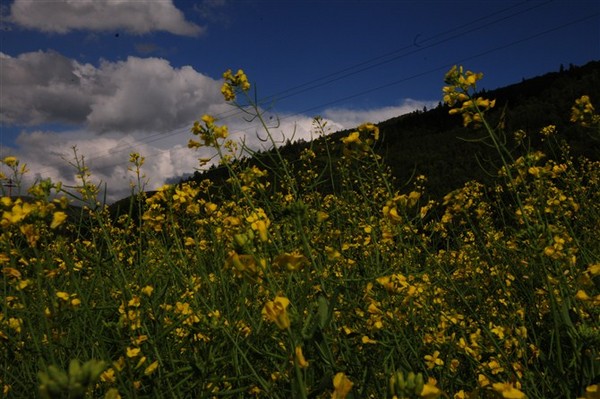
<point>435,144</point>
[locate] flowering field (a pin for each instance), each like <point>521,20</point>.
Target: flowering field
<point>270,287</point>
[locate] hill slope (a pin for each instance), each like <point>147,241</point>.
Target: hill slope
<point>435,144</point>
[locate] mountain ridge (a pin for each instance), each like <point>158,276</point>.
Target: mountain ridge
<point>435,144</point>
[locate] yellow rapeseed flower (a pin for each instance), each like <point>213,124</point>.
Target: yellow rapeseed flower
<point>57,219</point>
<point>508,391</point>
<point>132,352</point>
<point>231,82</point>
<point>151,368</point>
<point>10,161</point>
<point>302,363</point>
<point>430,390</point>
<point>276,311</point>
<point>11,272</point>
<point>291,261</point>
<point>342,386</point>
<point>433,360</point>
<point>592,392</point>
<point>62,295</point>
<point>15,324</point>
<point>353,137</point>
<point>594,269</point>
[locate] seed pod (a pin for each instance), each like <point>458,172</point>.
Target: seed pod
<point>58,376</point>
<point>419,383</point>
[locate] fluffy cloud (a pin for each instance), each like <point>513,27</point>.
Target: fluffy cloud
<point>349,118</point>
<point>139,105</point>
<point>133,95</point>
<point>49,154</point>
<point>139,17</point>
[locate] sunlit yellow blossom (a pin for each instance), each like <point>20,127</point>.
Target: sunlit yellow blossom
<point>227,92</point>
<point>208,119</point>
<point>239,80</point>
<point>18,212</point>
<point>134,302</point>
<point>498,331</point>
<point>261,227</point>
<point>433,360</point>
<point>342,386</point>
<point>391,212</point>
<point>15,324</point>
<point>592,392</point>
<point>10,161</point>
<point>582,295</point>
<point>583,112</point>
<point>291,261</point>
<point>482,380</point>
<point>31,233</point>
<point>548,131</point>
<point>430,390</point>
<point>276,311</point>
<point>151,368</point>
<point>132,352</point>
<point>245,264</point>
<point>210,208</point>
<point>141,362</point>
<point>353,137</point>
<point>57,219</point>
<point>302,363</point>
<point>11,272</point>
<point>594,269</point>
<point>63,295</point>
<point>108,375</point>
<point>508,391</point>
<point>322,216</point>
<point>332,253</point>
<point>461,83</point>
<point>366,340</point>
<point>495,367</point>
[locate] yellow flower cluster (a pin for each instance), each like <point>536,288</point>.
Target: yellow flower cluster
<point>359,142</point>
<point>583,112</point>
<point>31,219</point>
<point>233,82</point>
<point>460,85</point>
<point>316,277</point>
<point>209,133</point>
<point>276,311</point>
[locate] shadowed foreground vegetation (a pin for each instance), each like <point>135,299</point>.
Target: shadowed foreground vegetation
<point>316,278</point>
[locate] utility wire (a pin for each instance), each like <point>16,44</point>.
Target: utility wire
<point>349,71</point>
<point>428,72</point>
<point>352,71</point>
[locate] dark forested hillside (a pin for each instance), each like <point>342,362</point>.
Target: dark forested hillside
<point>435,144</point>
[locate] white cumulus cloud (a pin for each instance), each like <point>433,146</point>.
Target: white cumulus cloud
<point>49,154</point>
<point>141,105</point>
<point>139,17</point>
<point>133,95</point>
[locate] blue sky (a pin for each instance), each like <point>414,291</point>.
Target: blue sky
<point>115,77</point>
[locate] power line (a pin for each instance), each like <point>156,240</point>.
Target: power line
<point>399,53</point>
<point>354,69</point>
<point>433,70</point>
<point>349,71</point>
